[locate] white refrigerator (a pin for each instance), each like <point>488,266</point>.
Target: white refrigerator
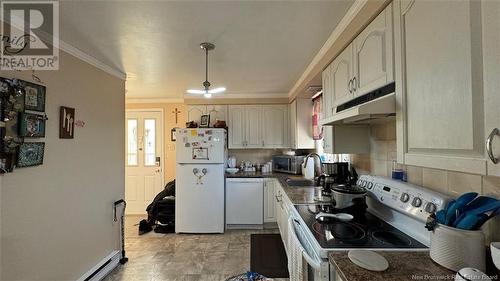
<point>199,180</point>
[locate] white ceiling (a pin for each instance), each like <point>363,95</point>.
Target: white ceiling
<point>262,47</point>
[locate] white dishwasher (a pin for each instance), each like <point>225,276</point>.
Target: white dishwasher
<point>244,202</point>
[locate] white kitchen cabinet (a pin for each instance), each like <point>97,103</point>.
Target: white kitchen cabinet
<point>491,74</point>
<point>237,124</point>
<point>244,202</point>
<point>274,126</point>
<point>341,75</point>
<point>216,112</point>
<point>253,129</point>
<point>282,214</point>
<point>328,95</point>
<point>366,64</point>
<point>373,55</point>
<point>258,126</point>
<point>328,139</point>
<point>439,83</point>
<point>349,139</point>
<point>301,133</point>
<point>194,112</point>
<point>269,200</point>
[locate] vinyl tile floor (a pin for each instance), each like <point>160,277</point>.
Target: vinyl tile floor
<point>186,257</point>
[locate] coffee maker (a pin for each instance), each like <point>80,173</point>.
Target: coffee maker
<point>334,174</point>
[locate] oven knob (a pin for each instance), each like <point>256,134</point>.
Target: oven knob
<point>417,202</point>
<point>405,197</point>
<point>370,185</point>
<point>430,207</point>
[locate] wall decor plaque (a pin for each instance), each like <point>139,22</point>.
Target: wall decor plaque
<point>30,154</point>
<point>66,122</point>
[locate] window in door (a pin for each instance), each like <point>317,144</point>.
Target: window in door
<point>132,147</point>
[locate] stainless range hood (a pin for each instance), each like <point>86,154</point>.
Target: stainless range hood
<point>376,105</point>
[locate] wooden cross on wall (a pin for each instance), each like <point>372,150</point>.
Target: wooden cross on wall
<point>176,112</point>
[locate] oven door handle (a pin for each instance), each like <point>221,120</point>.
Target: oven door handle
<point>314,263</point>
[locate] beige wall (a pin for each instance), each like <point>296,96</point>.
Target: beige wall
<point>383,152</point>
<point>168,124</point>
<point>56,219</point>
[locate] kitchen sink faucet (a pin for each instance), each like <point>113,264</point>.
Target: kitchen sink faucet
<point>317,167</point>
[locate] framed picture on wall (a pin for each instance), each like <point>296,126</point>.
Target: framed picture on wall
<point>34,96</point>
<point>173,134</point>
<point>32,125</point>
<point>30,154</point>
<point>205,121</point>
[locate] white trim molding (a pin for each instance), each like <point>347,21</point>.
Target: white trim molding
<point>77,53</point>
<point>153,100</point>
<point>241,96</point>
<point>113,258</point>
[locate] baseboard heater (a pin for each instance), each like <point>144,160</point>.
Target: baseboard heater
<point>103,268</point>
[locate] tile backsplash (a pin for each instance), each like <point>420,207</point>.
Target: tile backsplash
<point>254,155</point>
<point>383,153</point>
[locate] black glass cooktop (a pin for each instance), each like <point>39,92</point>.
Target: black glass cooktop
<point>364,231</point>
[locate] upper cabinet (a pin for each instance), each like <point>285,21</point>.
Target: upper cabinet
<point>445,83</point>
<point>274,126</point>
<point>216,112</point>
<point>258,126</point>
<point>301,134</point>
<point>491,87</point>
<point>373,55</point>
<point>341,78</point>
<point>366,64</point>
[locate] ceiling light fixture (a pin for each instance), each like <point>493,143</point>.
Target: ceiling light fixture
<point>207,92</point>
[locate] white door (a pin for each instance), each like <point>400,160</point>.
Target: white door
<point>491,66</point>
<point>143,159</point>
<point>269,201</point>
<point>236,126</point>
<point>341,75</point>
<point>441,123</point>
<point>373,66</point>
<point>328,98</point>
<point>274,126</point>
<point>253,132</point>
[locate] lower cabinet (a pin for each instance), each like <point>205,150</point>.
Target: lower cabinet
<point>269,200</point>
<point>244,202</point>
<point>282,214</point>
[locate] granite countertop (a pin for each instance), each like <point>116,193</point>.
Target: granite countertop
<point>403,265</point>
<point>297,195</point>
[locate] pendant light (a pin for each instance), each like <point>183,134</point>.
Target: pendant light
<point>206,92</point>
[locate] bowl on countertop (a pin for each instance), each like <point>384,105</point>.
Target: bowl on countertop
<point>495,253</point>
<point>232,171</point>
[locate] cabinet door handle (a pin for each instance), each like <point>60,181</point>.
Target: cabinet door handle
<point>349,86</point>
<point>354,87</point>
<point>489,149</point>
<point>263,143</point>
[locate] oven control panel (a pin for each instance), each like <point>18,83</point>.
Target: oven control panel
<point>413,200</point>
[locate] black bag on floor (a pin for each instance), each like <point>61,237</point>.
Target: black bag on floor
<point>162,210</point>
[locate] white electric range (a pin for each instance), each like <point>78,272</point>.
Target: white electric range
<point>395,221</point>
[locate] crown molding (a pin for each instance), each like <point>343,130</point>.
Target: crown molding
<point>77,53</point>
<point>241,96</point>
<point>154,100</point>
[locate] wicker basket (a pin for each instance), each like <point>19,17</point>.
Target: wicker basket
<point>456,248</point>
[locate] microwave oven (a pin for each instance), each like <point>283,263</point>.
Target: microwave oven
<point>288,164</point>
